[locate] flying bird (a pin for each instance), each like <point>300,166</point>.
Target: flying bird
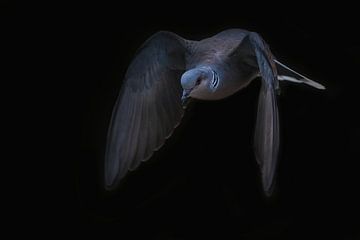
<point>168,70</point>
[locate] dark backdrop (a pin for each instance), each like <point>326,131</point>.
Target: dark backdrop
<point>204,182</point>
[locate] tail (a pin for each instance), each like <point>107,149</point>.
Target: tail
<point>298,78</point>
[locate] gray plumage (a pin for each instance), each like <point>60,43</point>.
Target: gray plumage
<point>167,70</point>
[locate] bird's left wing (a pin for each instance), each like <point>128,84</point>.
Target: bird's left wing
<point>267,133</point>
<point>254,52</point>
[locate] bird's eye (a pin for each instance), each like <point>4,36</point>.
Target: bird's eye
<point>215,80</point>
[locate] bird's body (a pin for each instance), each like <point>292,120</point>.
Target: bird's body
<point>203,54</point>
<point>169,69</point>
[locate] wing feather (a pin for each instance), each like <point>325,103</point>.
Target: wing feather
<point>148,107</point>
<point>254,52</point>
<point>267,137</point>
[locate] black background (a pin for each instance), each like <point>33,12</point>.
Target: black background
<point>204,182</point>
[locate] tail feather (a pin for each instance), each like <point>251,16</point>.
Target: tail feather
<point>301,79</point>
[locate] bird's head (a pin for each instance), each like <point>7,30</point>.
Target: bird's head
<point>199,83</point>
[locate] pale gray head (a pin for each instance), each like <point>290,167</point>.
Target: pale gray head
<point>200,83</point>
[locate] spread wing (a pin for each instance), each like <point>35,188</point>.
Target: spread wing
<point>148,107</point>
<point>255,52</point>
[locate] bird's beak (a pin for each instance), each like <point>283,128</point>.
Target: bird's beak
<point>185,96</point>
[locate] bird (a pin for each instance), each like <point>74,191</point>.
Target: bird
<point>168,70</point>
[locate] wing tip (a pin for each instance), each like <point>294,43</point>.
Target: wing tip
<point>112,179</point>
<point>268,187</point>
<point>268,193</point>
<point>109,183</point>
<point>113,185</point>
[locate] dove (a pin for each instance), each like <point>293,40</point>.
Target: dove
<point>168,70</point>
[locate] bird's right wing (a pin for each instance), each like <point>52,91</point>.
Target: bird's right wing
<point>148,107</point>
